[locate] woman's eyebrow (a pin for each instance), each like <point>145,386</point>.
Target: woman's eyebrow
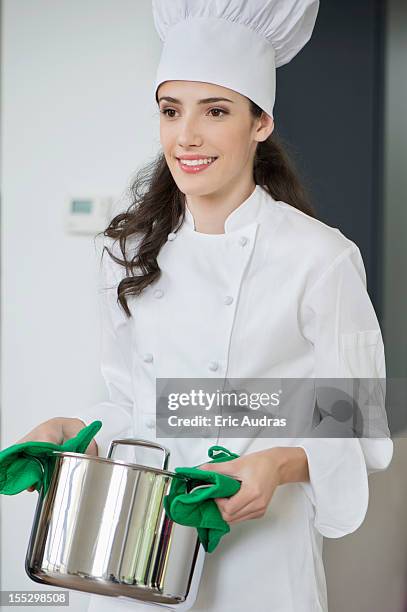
<point>204,101</point>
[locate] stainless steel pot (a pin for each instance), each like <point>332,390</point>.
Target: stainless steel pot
<point>101,528</point>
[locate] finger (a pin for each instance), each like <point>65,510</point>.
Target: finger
<point>229,468</point>
<point>252,515</point>
<point>39,438</point>
<point>227,515</point>
<point>92,449</point>
<point>237,502</point>
<point>253,507</point>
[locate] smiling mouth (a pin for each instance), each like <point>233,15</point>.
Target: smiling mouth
<point>195,166</point>
<point>197,162</point>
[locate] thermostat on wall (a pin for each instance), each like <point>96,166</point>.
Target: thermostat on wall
<point>88,215</point>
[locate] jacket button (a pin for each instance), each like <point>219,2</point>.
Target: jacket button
<point>243,240</point>
<point>158,293</point>
<point>150,423</point>
<point>148,358</point>
<point>213,366</point>
<point>228,300</point>
<point>171,236</point>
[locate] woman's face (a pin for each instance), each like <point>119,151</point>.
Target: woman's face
<point>191,125</point>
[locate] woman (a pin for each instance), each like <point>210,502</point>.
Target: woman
<point>231,275</point>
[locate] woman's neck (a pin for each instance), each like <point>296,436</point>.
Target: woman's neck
<point>211,211</point>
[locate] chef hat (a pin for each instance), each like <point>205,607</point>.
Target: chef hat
<point>237,44</point>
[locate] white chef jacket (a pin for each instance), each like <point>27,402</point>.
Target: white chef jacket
<point>299,309</point>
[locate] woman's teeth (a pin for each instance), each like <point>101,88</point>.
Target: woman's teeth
<point>197,162</point>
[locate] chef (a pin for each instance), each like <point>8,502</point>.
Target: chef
<point>246,284</point>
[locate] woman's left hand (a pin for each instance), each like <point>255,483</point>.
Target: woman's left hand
<point>260,475</point>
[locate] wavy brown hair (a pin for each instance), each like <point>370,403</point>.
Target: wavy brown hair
<point>158,208</point>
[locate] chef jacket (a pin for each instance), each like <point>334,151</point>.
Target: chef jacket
<point>278,294</point>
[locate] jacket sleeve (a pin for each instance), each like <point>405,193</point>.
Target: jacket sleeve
<point>116,412</point>
<point>339,320</point>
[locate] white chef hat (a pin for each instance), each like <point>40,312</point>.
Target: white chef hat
<point>237,44</point>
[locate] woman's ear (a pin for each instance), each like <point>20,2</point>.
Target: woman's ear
<point>265,128</point>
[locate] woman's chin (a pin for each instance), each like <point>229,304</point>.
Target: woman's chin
<point>189,188</point>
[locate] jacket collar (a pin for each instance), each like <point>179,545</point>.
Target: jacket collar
<point>240,217</point>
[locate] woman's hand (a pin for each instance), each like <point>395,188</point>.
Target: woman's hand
<point>260,473</point>
<point>57,431</point>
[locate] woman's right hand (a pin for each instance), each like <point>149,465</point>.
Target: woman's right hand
<point>57,431</point>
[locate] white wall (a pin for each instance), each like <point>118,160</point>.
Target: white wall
<point>78,117</point>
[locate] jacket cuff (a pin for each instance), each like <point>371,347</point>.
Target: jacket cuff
<point>338,488</point>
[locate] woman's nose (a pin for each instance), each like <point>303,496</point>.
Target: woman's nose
<point>188,134</point>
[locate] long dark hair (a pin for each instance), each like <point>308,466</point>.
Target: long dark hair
<point>158,208</point>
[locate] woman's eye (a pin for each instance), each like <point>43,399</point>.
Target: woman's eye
<point>165,111</point>
<point>219,110</point>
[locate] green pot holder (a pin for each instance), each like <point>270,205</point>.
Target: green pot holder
<point>197,508</point>
<point>32,463</point>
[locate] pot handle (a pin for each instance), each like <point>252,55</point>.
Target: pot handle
<point>134,442</point>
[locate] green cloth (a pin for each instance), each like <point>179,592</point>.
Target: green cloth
<point>198,508</point>
<point>32,463</point>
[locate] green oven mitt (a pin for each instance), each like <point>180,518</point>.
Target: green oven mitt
<point>197,508</point>
<point>32,463</point>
